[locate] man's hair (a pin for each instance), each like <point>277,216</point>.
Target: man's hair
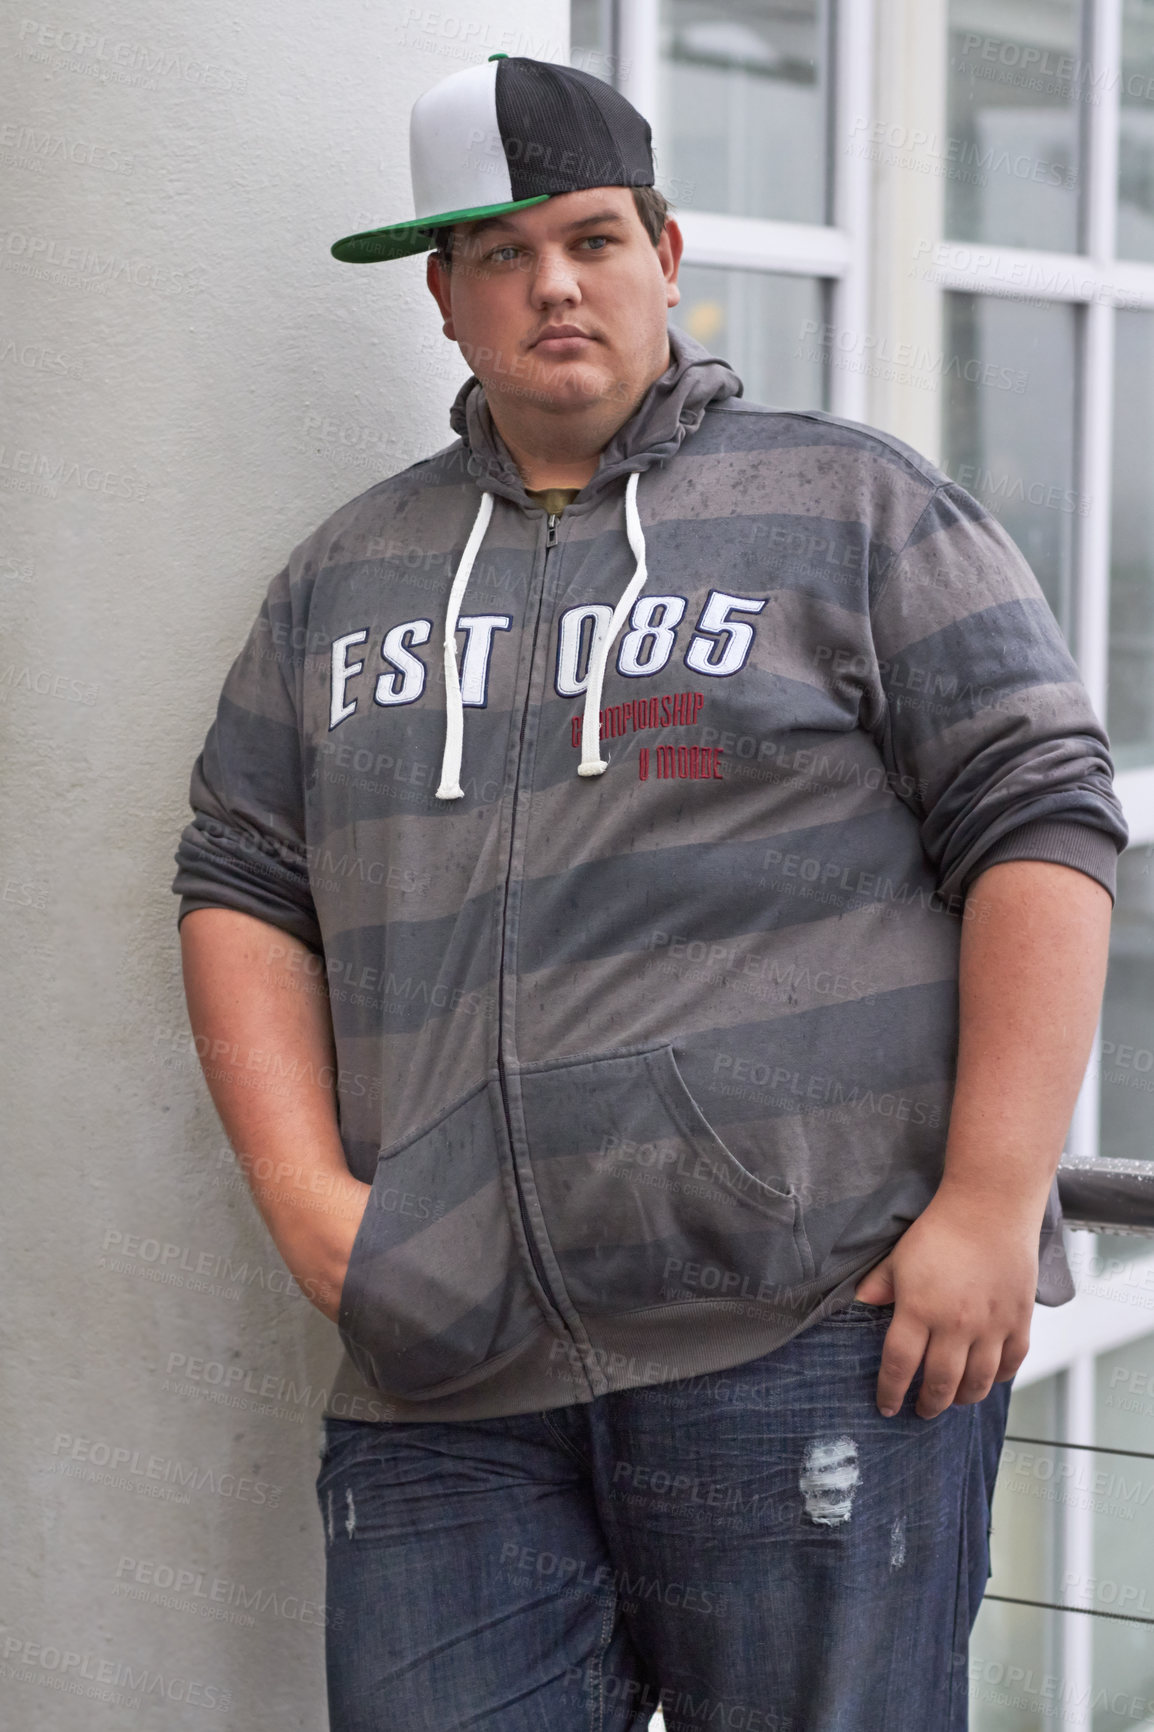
<point>652,208</point>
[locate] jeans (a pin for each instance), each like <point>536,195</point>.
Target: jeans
<point>754,1549</point>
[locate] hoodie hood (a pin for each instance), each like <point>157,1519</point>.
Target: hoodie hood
<point>670,410</point>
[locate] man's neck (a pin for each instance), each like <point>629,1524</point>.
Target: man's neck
<point>561,449</point>
<point>539,476</point>
<point>544,460</point>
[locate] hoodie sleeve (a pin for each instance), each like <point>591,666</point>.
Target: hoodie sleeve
<point>245,848</point>
<point>982,707</point>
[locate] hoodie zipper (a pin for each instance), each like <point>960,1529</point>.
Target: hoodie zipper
<point>534,1255</point>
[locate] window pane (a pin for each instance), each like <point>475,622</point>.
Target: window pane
<point>1025,1556</point>
<point>591,37</point>
<point>1013,125</point>
<point>1010,374</point>
<point>743,106</point>
<point>1130,708</point>
<point>1136,137</point>
<point>1127,1121</point>
<point>1123,1569</point>
<point>767,327</point>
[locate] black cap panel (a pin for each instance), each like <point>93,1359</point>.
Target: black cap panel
<point>564,130</point>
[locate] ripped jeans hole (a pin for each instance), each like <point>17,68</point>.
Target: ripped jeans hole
<point>828,1480</point>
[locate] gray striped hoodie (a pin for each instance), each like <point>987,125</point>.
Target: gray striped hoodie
<point>639,908</point>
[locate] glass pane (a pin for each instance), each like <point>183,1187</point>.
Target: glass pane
<point>1009,403</point>
<point>1130,706</point>
<point>1013,123</point>
<point>1013,1644</point>
<point>767,327</point>
<point>1136,136</point>
<point>1074,1526</point>
<point>591,38</point>
<point>1123,1578</point>
<point>1127,1118</point>
<point>743,107</point>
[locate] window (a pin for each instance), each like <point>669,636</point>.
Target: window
<point>1025,1564</point>
<point>775,323</point>
<point>747,100</point>
<point>1014,123</point>
<point>591,38</point>
<point>1127,1059</point>
<point>1121,1579</point>
<point>1136,133</point>
<point>1009,403</point>
<point>744,91</point>
<point>1131,690</point>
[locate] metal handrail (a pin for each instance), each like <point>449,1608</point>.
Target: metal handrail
<point>1107,1196</point>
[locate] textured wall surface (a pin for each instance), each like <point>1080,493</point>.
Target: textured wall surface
<point>191,384</point>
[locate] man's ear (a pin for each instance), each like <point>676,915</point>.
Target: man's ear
<point>437,278</point>
<point>670,247</point>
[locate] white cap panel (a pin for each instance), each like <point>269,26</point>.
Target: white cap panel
<point>455,150</point>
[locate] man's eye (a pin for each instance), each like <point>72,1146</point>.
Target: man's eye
<point>504,255</point>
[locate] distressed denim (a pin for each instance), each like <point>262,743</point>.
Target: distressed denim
<point>754,1549</point>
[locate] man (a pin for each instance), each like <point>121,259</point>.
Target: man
<point>649,883</point>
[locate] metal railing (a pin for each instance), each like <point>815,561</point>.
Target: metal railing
<point>1105,1196</point>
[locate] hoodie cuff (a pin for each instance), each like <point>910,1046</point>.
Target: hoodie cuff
<point>1088,850</point>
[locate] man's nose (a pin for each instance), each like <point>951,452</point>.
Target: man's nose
<point>554,280</point>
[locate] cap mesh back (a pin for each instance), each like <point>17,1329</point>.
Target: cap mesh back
<point>565,130</point>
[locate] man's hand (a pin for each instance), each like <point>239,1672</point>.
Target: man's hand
<point>962,1286</point>
<point>962,1279</point>
<point>251,997</point>
<point>318,1246</point>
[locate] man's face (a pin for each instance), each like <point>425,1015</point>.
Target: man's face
<point>580,265</point>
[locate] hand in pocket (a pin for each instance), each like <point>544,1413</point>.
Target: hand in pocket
<point>319,1252</point>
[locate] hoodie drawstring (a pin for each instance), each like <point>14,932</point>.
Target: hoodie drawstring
<point>450,788</point>
<point>592,763</point>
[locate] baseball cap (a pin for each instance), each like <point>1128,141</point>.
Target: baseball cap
<point>502,136</point>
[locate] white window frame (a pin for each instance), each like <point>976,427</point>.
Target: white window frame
<point>837,253</point>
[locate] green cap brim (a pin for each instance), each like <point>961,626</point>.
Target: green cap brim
<point>401,239</point>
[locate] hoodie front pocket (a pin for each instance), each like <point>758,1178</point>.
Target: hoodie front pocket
<point>434,1297</point>
<point>643,1203</point>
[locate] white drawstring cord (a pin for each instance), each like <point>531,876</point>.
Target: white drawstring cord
<point>450,788</point>
<point>592,763</point>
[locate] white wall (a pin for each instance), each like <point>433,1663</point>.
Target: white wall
<point>191,384</point>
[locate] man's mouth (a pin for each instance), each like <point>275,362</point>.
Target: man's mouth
<point>561,339</point>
